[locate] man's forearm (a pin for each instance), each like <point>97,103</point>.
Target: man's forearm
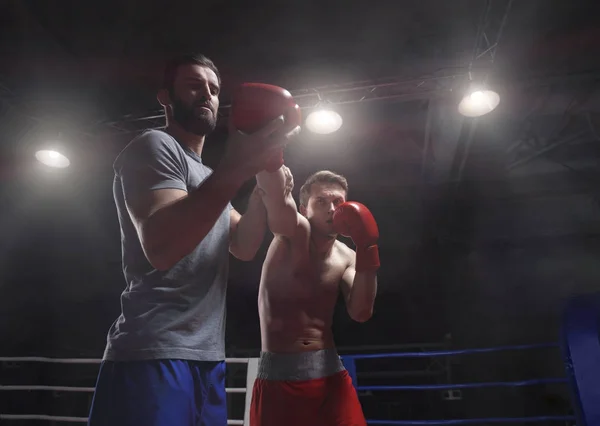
<point>282,215</point>
<point>174,231</point>
<point>250,230</point>
<point>362,296</point>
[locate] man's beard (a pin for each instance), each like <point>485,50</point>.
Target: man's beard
<point>185,116</point>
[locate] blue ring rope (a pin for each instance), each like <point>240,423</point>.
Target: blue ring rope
<point>473,421</point>
<point>463,385</point>
<point>454,352</point>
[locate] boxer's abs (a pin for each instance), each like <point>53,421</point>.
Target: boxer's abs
<point>295,338</point>
<point>296,321</point>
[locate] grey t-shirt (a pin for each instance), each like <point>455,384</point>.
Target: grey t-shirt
<point>178,313</point>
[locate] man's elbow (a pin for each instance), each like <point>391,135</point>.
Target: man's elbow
<point>362,315</point>
<point>285,229</point>
<point>245,256</point>
<point>161,265</point>
<point>159,259</point>
<point>244,252</point>
<point>157,252</point>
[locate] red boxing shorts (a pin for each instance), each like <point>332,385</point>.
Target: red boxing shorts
<point>286,393</point>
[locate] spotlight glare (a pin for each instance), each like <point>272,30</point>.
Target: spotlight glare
<point>52,159</point>
<point>478,103</point>
<point>324,122</point>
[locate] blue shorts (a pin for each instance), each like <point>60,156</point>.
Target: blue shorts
<point>160,393</point>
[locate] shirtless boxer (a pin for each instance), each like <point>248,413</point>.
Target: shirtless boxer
<point>301,380</point>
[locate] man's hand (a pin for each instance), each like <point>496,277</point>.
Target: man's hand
<point>255,104</point>
<point>277,196</point>
<point>257,195</point>
<point>289,181</point>
<point>247,155</point>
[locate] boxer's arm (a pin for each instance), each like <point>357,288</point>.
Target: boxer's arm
<point>170,222</point>
<point>248,230</point>
<point>359,282</point>
<point>282,213</point>
<point>359,290</point>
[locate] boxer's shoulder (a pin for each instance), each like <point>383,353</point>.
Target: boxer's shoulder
<point>344,249</point>
<point>278,251</point>
<point>303,224</point>
<point>345,253</point>
<point>302,233</point>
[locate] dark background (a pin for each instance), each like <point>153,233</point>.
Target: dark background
<point>487,226</point>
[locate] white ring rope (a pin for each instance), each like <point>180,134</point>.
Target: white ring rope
<point>71,419</point>
<point>45,388</point>
<point>43,417</point>
<point>76,389</point>
<point>87,360</point>
<point>81,389</point>
<point>51,360</point>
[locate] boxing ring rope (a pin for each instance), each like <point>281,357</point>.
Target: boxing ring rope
<point>98,361</point>
<point>432,354</point>
<point>461,385</point>
<point>349,362</point>
<point>472,421</point>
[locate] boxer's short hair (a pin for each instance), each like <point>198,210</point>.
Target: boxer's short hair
<point>324,176</point>
<point>186,59</point>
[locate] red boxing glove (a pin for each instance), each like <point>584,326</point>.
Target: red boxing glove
<point>256,104</point>
<point>354,220</point>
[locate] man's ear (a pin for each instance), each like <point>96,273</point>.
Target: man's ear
<point>164,98</point>
<point>302,210</point>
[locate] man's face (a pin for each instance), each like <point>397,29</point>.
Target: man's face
<point>324,199</point>
<point>195,99</point>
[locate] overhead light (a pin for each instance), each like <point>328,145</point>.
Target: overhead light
<point>478,103</point>
<point>52,159</point>
<point>324,121</point>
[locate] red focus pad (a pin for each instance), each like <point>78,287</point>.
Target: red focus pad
<point>256,104</point>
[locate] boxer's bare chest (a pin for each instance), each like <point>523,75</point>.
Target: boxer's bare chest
<point>310,276</point>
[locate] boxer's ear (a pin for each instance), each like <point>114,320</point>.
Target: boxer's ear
<point>302,210</point>
<point>163,97</point>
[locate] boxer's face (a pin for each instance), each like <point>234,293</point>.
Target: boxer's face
<point>195,99</point>
<point>324,199</point>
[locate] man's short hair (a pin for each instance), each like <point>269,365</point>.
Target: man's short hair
<point>324,176</point>
<point>186,59</point>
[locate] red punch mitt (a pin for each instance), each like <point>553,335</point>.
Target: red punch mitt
<point>256,104</point>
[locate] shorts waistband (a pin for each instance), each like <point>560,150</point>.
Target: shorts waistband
<point>299,366</point>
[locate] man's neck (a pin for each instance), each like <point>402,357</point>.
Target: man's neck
<point>321,245</point>
<point>192,141</point>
